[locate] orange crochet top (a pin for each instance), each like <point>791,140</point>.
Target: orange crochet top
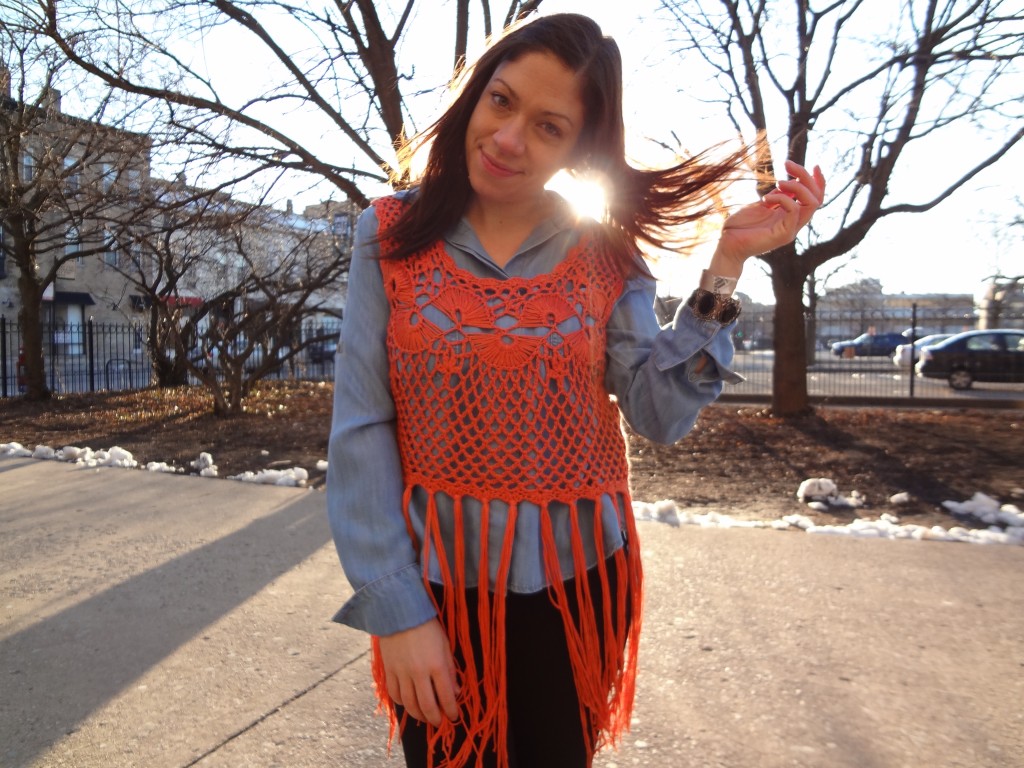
<point>506,402</point>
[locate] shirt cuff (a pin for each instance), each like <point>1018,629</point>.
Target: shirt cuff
<point>687,337</point>
<point>390,604</point>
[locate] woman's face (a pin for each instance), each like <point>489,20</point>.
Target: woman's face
<point>523,129</point>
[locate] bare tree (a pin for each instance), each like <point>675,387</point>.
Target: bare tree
<point>331,111</point>
<point>231,286</point>
<point>335,78</point>
<point>868,87</point>
<point>1003,302</point>
<point>63,182</point>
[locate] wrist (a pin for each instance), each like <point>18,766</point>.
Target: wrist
<point>726,265</point>
<point>716,283</point>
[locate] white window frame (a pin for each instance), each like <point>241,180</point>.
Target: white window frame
<point>111,255</point>
<point>28,167</point>
<point>106,175</point>
<point>72,175</point>
<point>73,243</point>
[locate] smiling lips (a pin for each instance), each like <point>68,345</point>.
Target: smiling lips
<point>495,168</point>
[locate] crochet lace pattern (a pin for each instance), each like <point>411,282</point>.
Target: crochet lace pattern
<point>499,393</point>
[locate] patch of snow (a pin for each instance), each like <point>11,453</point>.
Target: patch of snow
<point>1005,521</point>
<point>295,477</point>
<point>987,510</point>
<point>115,457</point>
<point>816,489</point>
<point>119,457</point>
<point>820,493</point>
<point>887,526</point>
<point>162,466</point>
<point>15,450</point>
<point>204,464</point>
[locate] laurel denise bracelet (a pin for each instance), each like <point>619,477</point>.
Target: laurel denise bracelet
<point>707,305</point>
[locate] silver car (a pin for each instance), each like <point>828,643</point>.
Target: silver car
<point>901,358</point>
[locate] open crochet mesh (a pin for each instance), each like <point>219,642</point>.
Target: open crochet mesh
<point>499,395</point>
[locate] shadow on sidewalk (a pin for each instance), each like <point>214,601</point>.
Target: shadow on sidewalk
<point>63,668</point>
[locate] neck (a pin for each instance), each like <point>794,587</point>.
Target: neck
<point>509,216</point>
<point>502,229</point>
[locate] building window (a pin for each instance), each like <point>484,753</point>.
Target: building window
<point>28,167</point>
<point>135,257</point>
<point>73,243</point>
<point>72,174</point>
<point>110,254</point>
<point>133,178</point>
<point>107,176</point>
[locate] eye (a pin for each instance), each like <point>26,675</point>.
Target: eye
<point>499,100</point>
<point>551,130</point>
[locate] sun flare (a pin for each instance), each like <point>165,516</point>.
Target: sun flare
<point>586,196</point>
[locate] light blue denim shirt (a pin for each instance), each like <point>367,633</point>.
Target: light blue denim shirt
<point>650,372</point>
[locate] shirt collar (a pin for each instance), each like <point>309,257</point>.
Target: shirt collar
<point>464,237</point>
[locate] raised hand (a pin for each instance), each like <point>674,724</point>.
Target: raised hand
<point>774,221</point>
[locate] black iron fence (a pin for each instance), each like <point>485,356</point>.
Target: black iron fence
<point>850,354</point>
<point>90,357</point>
<point>95,356</point>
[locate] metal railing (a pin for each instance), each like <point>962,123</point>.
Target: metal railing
<point>90,357</point>
<point>95,356</point>
<point>853,376</point>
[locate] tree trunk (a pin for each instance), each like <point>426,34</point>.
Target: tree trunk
<point>32,339</point>
<point>789,373</point>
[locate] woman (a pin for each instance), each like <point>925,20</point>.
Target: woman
<point>477,482</point>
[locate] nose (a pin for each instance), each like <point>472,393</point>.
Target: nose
<point>509,138</point>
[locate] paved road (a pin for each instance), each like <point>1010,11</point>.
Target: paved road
<point>159,621</point>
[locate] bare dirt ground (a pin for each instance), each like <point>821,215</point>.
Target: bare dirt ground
<point>738,460</point>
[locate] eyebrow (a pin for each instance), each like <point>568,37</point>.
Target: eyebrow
<point>546,113</point>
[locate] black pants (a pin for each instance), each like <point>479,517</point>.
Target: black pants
<point>545,730</point>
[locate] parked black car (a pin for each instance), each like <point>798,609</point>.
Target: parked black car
<point>869,345</point>
<point>992,355</point>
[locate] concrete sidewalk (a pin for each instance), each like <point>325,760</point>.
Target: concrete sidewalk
<point>162,621</point>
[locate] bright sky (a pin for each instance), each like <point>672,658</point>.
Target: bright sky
<point>950,249</point>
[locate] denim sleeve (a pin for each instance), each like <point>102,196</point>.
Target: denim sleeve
<point>652,370</point>
<point>364,473</point>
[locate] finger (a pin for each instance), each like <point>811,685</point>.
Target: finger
<point>780,199</point>
<point>798,190</point>
<point>394,690</point>
<point>819,179</point>
<point>795,170</point>
<point>812,180</point>
<point>444,688</point>
<point>453,673</point>
<point>412,704</point>
<point>427,702</point>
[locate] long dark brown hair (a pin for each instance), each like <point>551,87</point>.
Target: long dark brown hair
<point>642,205</point>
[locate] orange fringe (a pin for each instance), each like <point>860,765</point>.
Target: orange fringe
<point>568,311</point>
<point>603,658</point>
